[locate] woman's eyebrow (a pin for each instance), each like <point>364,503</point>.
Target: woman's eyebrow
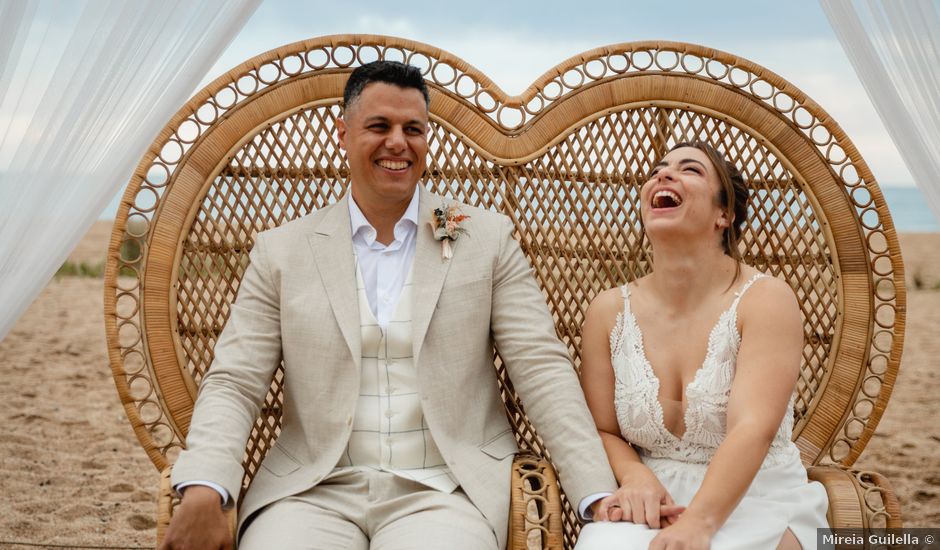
<point>681,162</point>
<point>690,161</point>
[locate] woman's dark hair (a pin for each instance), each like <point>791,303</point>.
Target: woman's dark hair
<point>389,72</point>
<point>732,195</point>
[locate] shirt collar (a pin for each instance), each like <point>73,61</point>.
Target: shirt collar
<point>364,230</point>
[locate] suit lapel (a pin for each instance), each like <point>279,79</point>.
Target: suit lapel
<point>430,270</point>
<point>331,242</point>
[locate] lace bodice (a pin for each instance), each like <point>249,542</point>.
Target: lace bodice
<point>636,393</point>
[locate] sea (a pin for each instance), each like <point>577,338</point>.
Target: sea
<point>907,205</point>
<point>909,210</point>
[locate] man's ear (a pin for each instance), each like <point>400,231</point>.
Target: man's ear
<point>341,132</point>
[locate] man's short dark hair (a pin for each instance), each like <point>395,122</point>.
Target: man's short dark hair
<point>390,72</point>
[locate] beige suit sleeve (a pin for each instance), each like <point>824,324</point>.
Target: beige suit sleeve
<point>246,356</point>
<point>541,372</point>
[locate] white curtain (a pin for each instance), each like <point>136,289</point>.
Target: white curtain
<point>85,86</point>
<point>894,46</point>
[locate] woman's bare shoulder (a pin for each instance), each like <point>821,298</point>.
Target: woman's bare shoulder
<point>766,294</point>
<point>605,306</point>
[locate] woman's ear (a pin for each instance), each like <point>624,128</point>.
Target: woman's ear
<point>723,221</point>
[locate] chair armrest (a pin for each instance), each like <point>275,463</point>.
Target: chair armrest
<point>535,509</point>
<point>167,501</point>
<point>857,499</point>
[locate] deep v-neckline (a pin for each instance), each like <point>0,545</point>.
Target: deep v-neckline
<point>640,349</point>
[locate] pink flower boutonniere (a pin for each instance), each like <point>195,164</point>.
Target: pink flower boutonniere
<point>446,227</point>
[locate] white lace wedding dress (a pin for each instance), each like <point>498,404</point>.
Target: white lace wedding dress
<point>780,496</point>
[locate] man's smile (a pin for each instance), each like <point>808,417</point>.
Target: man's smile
<point>396,165</point>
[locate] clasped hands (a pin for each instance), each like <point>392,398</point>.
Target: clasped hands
<point>648,504</point>
<point>642,499</point>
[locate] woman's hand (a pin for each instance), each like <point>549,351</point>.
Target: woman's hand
<point>687,533</point>
<point>640,499</point>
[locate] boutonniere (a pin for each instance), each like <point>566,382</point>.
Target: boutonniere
<point>445,224</point>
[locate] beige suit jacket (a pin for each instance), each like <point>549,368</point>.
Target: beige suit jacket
<point>298,301</point>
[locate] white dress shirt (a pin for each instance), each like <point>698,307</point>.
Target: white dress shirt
<point>384,268</point>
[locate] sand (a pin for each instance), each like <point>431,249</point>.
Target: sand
<point>72,472</point>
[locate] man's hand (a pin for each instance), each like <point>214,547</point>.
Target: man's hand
<point>198,522</point>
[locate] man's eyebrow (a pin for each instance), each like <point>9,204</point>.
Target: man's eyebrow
<point>380,118</point>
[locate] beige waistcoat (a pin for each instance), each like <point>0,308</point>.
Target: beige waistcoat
<point>389,431</point>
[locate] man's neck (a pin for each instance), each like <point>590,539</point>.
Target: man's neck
<point>381,215</point>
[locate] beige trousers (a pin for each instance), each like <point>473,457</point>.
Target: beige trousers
<point>370,510</point>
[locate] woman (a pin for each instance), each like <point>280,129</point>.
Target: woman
<point>689,374</point>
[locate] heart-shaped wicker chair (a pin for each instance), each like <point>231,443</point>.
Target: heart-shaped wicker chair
<point>564,161</point>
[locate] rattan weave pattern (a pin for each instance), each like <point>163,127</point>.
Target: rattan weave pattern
<point>564,160</point>
<point>858,499</point>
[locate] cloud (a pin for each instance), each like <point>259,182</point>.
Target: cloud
<point>531,55</point>
<point>395,26</point>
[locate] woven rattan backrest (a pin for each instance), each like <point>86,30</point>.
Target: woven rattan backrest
<point>564,160</point>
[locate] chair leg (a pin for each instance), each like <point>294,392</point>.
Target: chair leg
<point>165,504</point>
<point>535,508</point>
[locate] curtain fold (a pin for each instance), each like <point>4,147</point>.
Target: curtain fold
<point>85,87</point>
<point>894,47</point>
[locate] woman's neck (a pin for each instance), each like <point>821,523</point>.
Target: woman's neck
<point>685,274</point>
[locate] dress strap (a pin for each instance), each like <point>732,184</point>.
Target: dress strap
<point>740,293</point>
<point>618,333</point>
<point>625,293</point>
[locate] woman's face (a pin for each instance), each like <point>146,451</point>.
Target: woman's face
<point>681,196</point>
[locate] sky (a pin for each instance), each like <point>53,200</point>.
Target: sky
<point>515,42</point>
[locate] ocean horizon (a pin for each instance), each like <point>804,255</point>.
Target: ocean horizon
<point>907,205</point>
<point>909,210</point>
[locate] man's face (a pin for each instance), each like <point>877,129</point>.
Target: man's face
<point>385,135</point>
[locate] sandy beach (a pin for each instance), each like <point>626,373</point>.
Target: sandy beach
<point>72,472</point>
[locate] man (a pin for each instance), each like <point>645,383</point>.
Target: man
<point>393,434</point>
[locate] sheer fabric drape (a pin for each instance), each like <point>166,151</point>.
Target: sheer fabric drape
<point>84,89</point>
<point>894,47</point>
